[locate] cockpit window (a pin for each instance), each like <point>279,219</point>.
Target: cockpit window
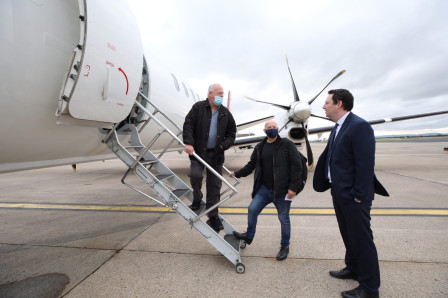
<point>176,84</point>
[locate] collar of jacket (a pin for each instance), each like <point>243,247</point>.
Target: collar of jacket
<point>222,109</point>
<point>277,141</point>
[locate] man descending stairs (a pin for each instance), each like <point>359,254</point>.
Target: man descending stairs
<point>209,129</point>
<point>170,189</point>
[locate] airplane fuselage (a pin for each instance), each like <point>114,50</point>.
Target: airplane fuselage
<point>41,39</point>
<point>72,69</point>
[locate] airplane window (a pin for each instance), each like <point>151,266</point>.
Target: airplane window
<point>176,84</point>
<point>185,89</point>
<point>192,94</point>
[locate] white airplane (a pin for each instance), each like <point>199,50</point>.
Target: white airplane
<point>72,69</point>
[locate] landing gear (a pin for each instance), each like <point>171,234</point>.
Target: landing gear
<point>240,268</point>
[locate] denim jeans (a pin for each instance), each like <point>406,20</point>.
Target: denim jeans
<point>263,197</point>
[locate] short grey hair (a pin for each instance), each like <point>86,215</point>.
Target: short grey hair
<point>212,88</point>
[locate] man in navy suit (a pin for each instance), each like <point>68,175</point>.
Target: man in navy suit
<point>347,168</point>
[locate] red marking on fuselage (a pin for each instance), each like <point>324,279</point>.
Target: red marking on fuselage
<point>127,82</point>
<point>88,70</point>
<point>111,46</point>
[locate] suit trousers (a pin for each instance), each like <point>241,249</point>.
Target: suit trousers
<point>361,256</point>
<point>213,183</point>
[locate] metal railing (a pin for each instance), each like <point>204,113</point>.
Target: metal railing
<point>180,142</point>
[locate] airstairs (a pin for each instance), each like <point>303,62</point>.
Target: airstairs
<point>172,192</point>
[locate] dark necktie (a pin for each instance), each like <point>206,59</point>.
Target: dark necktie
<point>330,147</point>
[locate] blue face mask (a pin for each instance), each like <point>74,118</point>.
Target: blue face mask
<point>218,100</point>
<point>272,133</point>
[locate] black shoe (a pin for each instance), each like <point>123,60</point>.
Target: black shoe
<point>243,236</point>
<point>344,274</point>
<point>358,292</point>
<point>195,206</point>
<point>283,253</point>
<point>215,223</point>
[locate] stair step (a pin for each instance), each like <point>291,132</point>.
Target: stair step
<point>164,176</point>
<point>148,162</point>
<point>230,238</point>
<point>199,211</point>
<point>179,193</point>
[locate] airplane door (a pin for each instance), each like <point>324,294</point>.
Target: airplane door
<point>104,75</point>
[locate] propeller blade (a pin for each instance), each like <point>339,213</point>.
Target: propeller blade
<point>290,120</point>
<point>296,96</point>
<point>325,118</point>
<point>337,76</point>
<point>270,103</point>
<point>309,152</point>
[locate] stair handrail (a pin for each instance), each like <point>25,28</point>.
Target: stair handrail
<point>180,142</point>
<point>158,110</point>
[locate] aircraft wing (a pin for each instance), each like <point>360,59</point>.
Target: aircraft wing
<point>251,140</point>
<point>246,139</point>
<point>242,142</point>
<point>379,121</point>
<point>245,125</point>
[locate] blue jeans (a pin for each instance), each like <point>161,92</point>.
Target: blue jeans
<point>263,197</point>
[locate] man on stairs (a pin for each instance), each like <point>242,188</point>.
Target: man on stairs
<point>209,129</point>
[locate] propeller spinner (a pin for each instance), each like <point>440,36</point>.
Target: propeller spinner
<point>299,112</point>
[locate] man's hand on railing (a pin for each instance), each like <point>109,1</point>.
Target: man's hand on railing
<point>189,149</point>
<point>232,174</point>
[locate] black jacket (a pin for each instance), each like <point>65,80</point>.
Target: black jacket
<point>287,167</point>
<point>197,126</point>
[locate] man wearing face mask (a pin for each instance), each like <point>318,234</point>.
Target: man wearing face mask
<point>209,129</point>
<point>278,172</point>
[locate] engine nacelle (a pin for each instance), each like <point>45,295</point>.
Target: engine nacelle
<point>295,132</point>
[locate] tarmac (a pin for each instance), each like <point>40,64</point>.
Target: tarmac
<point>84,234</point>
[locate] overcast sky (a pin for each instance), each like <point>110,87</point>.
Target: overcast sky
<point>395,52</point>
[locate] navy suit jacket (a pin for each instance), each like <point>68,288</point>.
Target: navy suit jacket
<point>351,165</point>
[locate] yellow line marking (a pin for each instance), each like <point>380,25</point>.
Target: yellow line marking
<point>84,207</point>
<point>224,210</point>
<point>409,212</point>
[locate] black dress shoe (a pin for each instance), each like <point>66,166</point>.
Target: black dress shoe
<point>283,253</point>
<point>243,236</point>
<point>358,292</point>
<point>344,274</point>
<point>215,223</point>
<point>195,206</point>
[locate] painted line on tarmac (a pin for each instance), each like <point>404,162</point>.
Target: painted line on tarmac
<point>223,210</point>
